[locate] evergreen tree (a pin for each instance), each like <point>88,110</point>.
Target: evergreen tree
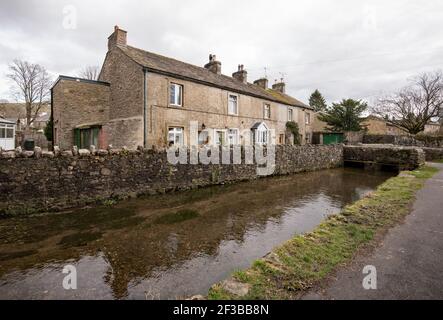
<point>345,116</point>
<point>317,101</point>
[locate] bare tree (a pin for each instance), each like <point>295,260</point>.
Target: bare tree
<point>415,105</point>
<point>32,84</point>
<point>90,73</point>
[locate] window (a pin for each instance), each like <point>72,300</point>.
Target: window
<point>267,111</point>
<point>6,131</point>
<point>9,131</point>
<point>307,118</point>
<point>290,117</point>
<point>233,104</point>
<point>203,137</point>
<point>84,138</point>
<point>219,137</point>
<point>176,94</point>
<point>262,136</point>
<point>175,136</point>
<point>233,136</point>
<point>308,138</point>
<point>281,138</point>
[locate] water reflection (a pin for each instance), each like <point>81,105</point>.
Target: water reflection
<point>169,246</point>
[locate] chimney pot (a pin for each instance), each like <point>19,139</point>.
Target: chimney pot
<point>213,65</point>
<point>262,83</point>
<point>117,38</point>
<point>241,74</point>
<point>279,86</point>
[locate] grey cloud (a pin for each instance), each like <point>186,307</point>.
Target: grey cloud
<point>344,48</point>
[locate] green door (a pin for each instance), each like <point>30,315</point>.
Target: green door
<point>332,138</point>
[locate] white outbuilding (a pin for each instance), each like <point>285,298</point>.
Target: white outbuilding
<point>7,134</point>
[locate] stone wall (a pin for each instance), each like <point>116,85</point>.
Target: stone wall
<point>126,98</point>
<point>36,181</point>
<point>405,158</point>
<point>78,103</point>
<point>404,140</point>
<point>433,153</point>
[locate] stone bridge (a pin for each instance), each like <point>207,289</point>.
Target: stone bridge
<point>403,158</point>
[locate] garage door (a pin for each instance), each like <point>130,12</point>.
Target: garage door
<point>332,138</point>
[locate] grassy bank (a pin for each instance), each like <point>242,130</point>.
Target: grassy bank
<point>306,259</point>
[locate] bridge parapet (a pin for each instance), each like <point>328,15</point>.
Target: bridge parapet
<point>403,158</point>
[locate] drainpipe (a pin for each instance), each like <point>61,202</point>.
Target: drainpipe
<point>145,108</point>
<point>52,119</point>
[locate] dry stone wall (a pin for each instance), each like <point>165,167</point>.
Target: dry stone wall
<point>39,181</point>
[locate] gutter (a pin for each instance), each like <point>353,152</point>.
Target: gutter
<point>145,111</point>
<point>52,118</point>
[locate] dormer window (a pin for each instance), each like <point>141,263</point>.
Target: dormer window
<point>176,95</point>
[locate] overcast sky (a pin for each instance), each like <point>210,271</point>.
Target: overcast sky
<point>346,48</point>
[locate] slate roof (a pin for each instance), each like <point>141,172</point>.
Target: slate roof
<point>158,63</point>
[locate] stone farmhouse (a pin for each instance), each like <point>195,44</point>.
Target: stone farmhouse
<point>145,99</point>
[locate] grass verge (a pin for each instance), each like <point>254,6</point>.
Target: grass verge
<point>306,259</point>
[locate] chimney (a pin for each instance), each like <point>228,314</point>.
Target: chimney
<point>241,74</point>
<point>262,83</point>
<point>279,86</point>
<point>117,38</point>
<point>213,65</point>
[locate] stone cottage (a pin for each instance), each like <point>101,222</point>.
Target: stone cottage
<point>146,99</point>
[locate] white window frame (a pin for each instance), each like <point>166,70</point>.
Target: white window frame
<point>6,141</point>
<point>234,134</point>
<point>290,114</point>
<point>236,105</point>
<point>176,132</point>
<point>216,140</point>
<point>307,118</point>
<point>262,136</point>
<point>177,96</point>
<point>267,111</point>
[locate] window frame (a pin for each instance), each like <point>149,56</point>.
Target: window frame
<point>181,96</point>
<point>237,99</point>
<point>266,111</point>
<point>307,118</point>
<point>236,135</point>
<point>175,133</point>
<point>290,112</point>
<point>7,129</point>
<point>216,140</point>
<point>92,134</point>
<point>262,136</point>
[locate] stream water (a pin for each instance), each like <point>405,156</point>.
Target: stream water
<point>169,246</point>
